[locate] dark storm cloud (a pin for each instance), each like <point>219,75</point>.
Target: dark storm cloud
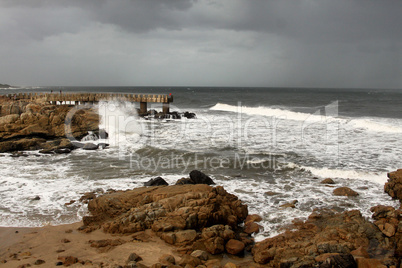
<point>227,42</point>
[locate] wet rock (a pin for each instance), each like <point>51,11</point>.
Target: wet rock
<point>328,181</point>
<point>189,115</point>
<point>47,151</point>
<point>345,191</point>
<point>90,146</point>
<point>290,204</point>
<point>158,181</point>
<point>103,145</point>
<point>62,151</point>
<point>200,178</point>
<point>103,134</point>
<point>36,198</point>
<point>251,228</point>
<point>183,181</point>
<point>234,246</point>
<point>394,184</point>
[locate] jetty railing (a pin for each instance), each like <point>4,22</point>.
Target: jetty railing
<point>92,98</point>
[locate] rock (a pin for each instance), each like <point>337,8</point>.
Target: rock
<point>234,247</point>
<point>360,252</point>
<point>165,209</point>
<point>369,263</point>
<point>62,151</point>
<point>103,145</point>
<point>183,181</point>
<point>345,191</point>
<point>290,204</point>
<point>167,259</point>
<point>340,260</point>
<point>47,151</point>
<point>271,193</point>
<point>200,178</point>
<point>67,260</point>
<point>215,245</point>
<point>325,233</point>
<point>77,144</point>
<point>253,218</point>
<point>328,181</point>
<point>189,115</point>
<point>90,146</point>
<point>134,257</point>
<point>189,260</point>
<point>65,240</point>
<point>252,228</point>
<point>36,198</point>
<point>158,181</point>
<point>39,262</point>
<point>186,236</point>
<point>394,184</point>
<point>230,265</point>
<point>103,134</point>
<point>200,254</point>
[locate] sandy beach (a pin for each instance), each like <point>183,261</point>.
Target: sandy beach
<point>22,246</point>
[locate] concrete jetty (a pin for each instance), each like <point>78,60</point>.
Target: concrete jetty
<point>92,98</point>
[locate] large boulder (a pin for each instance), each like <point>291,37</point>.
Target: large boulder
<point>165,209</point>
<point>158,181</point>
<point>394,184</point>
<point>200,178</point>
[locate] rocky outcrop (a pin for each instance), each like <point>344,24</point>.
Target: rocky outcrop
<point>326,239</point>
<point>28,125</point>
<point>188,216</point>
<point>394,184</point>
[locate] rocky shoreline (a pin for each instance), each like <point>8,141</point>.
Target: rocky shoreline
<point>199,225</point>
<point>27,125</point>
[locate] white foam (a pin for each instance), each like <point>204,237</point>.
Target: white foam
<point>376,177</point>
<point>265,111</point>
<point>386,125</point>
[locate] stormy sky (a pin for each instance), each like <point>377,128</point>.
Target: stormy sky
<point>272,43</point>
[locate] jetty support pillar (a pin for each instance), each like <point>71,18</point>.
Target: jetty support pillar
<point>143,107</point>
<point>165,108</point>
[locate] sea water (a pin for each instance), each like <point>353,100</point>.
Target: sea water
<point>268,146</point>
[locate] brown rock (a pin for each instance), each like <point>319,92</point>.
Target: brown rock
<point>328,181</point>
<point>234,247</point>
<point>394,184</point>
<point>134,257</point>
<point>189,260</point>
<point>230,265</point>
<point>165,209</point>
<point>325,233</point>
<point>369,263</point>
<point>253,218</point>
<point>167,259</point>
<point>200,254</point>
<point>345,191</point>
<point>290,204</point>
<point>186,236</point>
<point>39,262</point>
<point>360,252</point>
<point>215,245</point>
<point>252,228</point>
<point>68,260</point>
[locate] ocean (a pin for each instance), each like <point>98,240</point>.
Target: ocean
<point>268,146</point>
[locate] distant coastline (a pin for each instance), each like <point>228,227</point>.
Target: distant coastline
<point>5,86</point>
